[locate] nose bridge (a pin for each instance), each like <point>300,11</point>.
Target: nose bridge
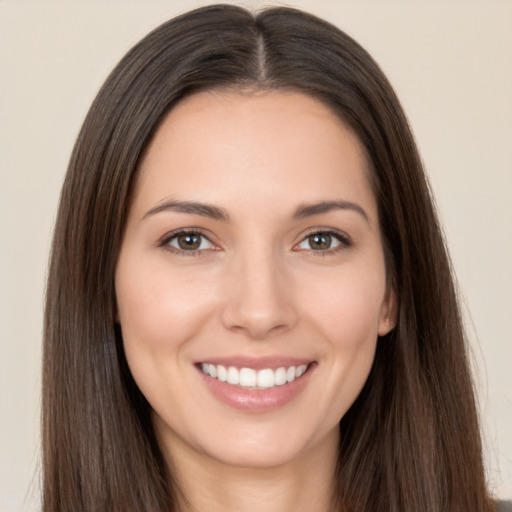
<point>259,300</point>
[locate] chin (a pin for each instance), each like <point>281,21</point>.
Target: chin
<point>266,446</point>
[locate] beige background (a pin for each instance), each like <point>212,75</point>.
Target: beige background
<point>451,64</point>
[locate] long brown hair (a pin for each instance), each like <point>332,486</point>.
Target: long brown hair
<point>411,440</point>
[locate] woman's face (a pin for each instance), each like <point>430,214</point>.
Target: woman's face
<point>251,283</point>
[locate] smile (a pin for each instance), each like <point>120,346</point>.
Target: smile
<point>249,378</point>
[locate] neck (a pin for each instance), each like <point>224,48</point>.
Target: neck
<point>306,484</point>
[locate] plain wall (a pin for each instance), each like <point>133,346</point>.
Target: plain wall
<point>451,64</point>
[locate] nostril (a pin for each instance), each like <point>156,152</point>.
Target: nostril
<point>258,330</point>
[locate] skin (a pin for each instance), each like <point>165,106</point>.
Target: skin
<point>256,287</point>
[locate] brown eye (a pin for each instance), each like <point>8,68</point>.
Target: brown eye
<point>324,241</point>
<point>320,241</point>
<point>189,242</point>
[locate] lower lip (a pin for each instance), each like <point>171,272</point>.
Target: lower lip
<point>257,400</point>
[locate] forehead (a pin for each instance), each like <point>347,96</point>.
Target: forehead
<point>216,143</point>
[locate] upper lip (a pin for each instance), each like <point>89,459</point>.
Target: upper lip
<point>257,363</point>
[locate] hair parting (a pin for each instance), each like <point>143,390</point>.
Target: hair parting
<point>410,442</point>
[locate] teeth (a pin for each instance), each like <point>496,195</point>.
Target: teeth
<point>254,379</point>
<point>247,377</point>
<point>266,378</point>
<point>280,376</point>
<point>300,370</point>
<point>222,373</point>
<point>233,375</point>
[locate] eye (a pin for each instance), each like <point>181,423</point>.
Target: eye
<point>324,241</point>
<point>188,241</point>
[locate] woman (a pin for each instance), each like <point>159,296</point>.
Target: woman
<point>249,301</point>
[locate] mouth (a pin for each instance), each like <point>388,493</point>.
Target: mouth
<point>254,379</point>
<point>256,385</point>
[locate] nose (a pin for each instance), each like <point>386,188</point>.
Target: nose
<point>259,298</point>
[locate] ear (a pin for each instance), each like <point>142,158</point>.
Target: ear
<point>389,311</point>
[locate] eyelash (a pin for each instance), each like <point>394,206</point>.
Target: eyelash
<point>342,238</point>
<point>344,241</point>
<point>168,238</point>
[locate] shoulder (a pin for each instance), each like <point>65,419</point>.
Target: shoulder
<point>504,506</point>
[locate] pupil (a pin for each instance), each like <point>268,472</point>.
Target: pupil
<point>189,242</point>
<point>319,242</point>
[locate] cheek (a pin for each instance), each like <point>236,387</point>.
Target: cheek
<point>159,308</point>
<point>347,318</point>
<point>348,308</point>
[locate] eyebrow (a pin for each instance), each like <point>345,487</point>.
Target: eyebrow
<point>327,206</point>
<point>214,212</point>
<point>190,207</point>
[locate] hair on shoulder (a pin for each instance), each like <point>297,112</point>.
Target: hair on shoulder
<point>411,440</point>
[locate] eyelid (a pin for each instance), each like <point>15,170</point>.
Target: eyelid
<point>344,240</point>
<point>164,242</point>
